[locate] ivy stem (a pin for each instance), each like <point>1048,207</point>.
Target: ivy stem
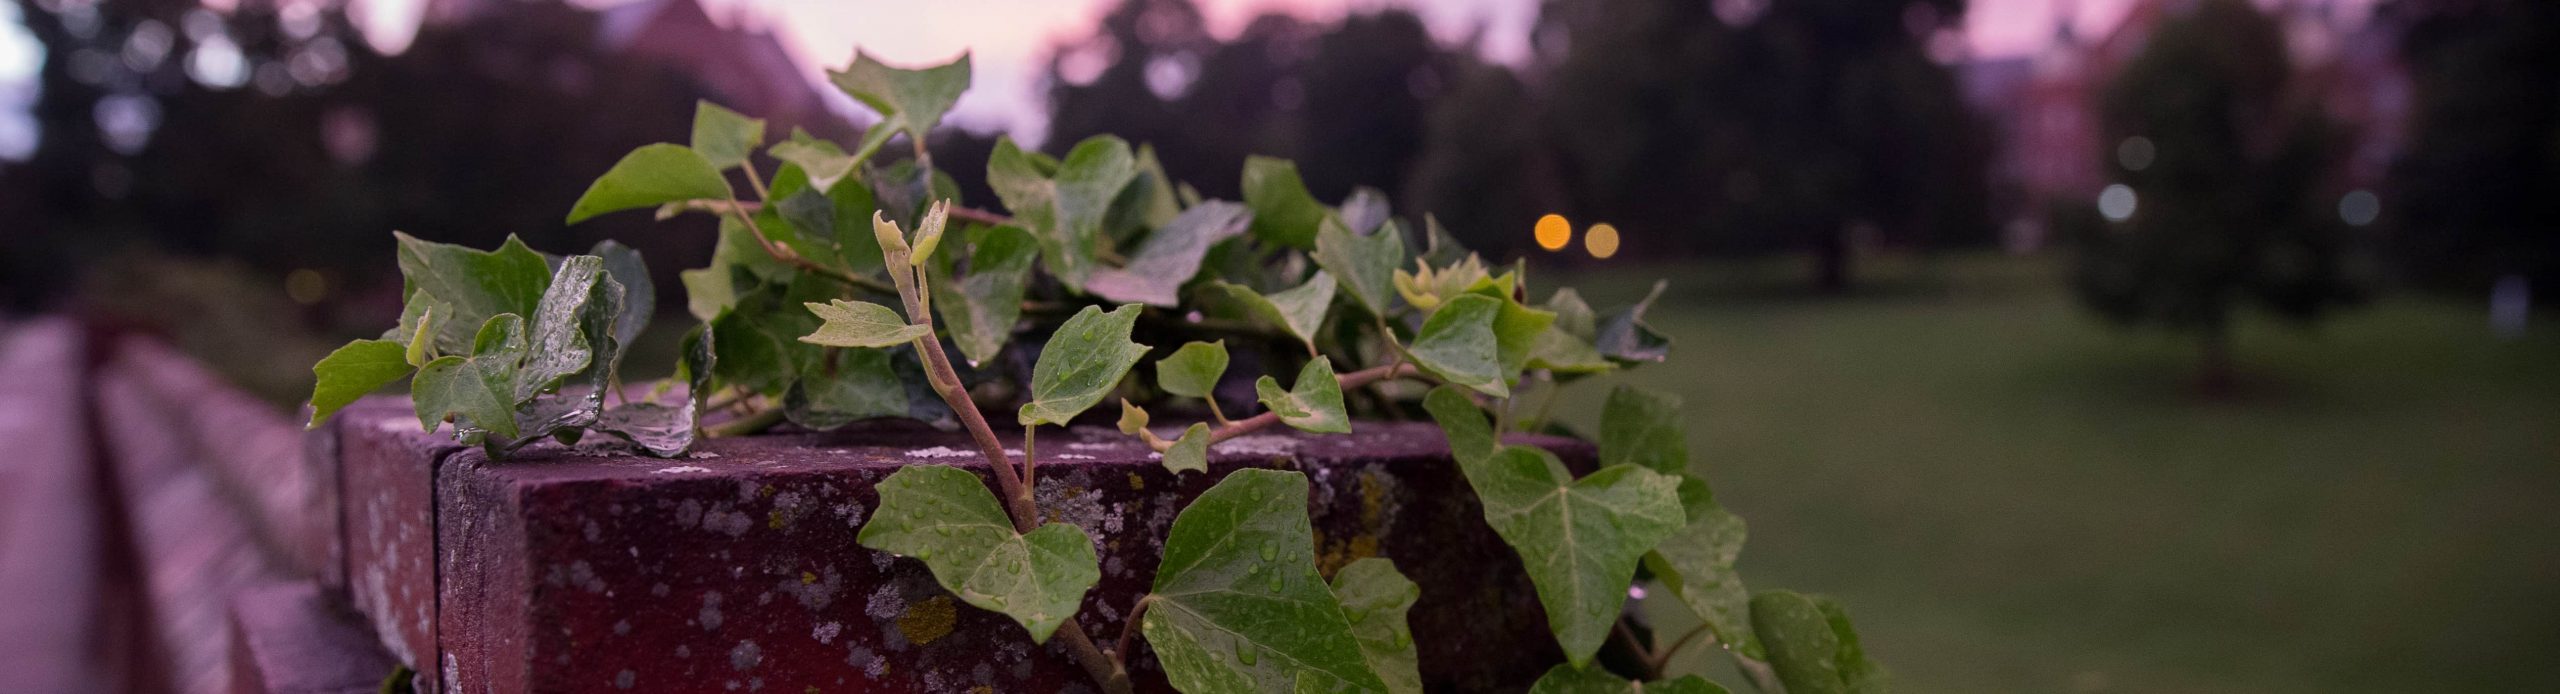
<point>793,258</point>
<point>980,216</point>
<point>1354,379</point>
<point>1017,492</point>
<point>1129,631</point>
<point>759,421</point>
<point>1661,658</point>
<point>755,182</point>
<point>1652,664</point>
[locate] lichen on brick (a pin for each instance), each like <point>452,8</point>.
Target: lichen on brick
<point>927,620</point>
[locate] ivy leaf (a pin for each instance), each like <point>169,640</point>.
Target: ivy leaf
<point>1515,334</point>
<point>1081,363</point>
<point>822,161</point>
<point>979,309</point>
<point>1812,646</point>
<point>1626,339</point>
<point>1471,440</point>
<point>364,366</point>
<point>1133,419</point>
<point>1366,265</point>
<point>1298,310</point>
<point>571,326</point>
<point>759,337</point>
<point>840,386</point>
<point>1696,565</point>
<point>650,176</point>
<point>1313,405</point>
<point>1374,597</point>
<point>1564,679</point>
<point>1170,256</point>
<point>639,293</point>
<point>909,101</point>
<point>862,324</point>
<point>1065,209</point>
<point>422,339</point>
<point>476,285</point>
<point>1193,371</point>
<point>1191,452</point>
<point>724,137</point>
<point>945,517</point>
<point>477,392</point>
<point>1283,212</point>
<point>1238,606</point>
<point>1579,539</point>
<point>1457,343</point>
<point>1642,427</point>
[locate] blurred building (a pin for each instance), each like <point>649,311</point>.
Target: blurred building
<point>736,58</point>
<point>2044,107</point>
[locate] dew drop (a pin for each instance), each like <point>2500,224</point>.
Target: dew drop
<point>1270,551</point>
<point>1245,653</point>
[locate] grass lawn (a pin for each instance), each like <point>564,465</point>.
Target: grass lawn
<point>2010,495</point>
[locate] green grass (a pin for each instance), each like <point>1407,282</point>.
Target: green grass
<point>2013,496</point>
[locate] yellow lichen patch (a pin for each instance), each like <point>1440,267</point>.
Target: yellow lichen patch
<point>1332,554</point>
<point>775,520</point>
<point>982,689</point>
<point>927,620</point>
<point>1136,482</point>
<point>807,578</point>
<point>1373,499</point>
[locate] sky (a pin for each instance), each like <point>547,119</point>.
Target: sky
<point>1009,39</point>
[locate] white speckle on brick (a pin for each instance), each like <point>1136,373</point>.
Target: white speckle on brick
<point>1259,445</point>
<point>678,470</point>
<point>940,452</point>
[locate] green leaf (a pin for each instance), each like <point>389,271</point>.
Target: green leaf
<point>639,293</point>
<point>1081,363</point>
<point>477,392</point>
<point>1375,597</point>
<point>650,176</point>
<point>841,386</point>
<point>1170,256</point>
<point>1133,419</point>
<point>1299,310</point>
<point>1439,248</point>
<point>1626,339</point>
<point>822,161</point>
<point>1642,427</point>
<point>1191,452</point>
<point>1515,334</point>
<point>759,337</point>
<point>1812,646</point>
<point>909,101</point>
<point>1238,606</point>
<point>1313,405</point>
<point>1366,265</point>
<point>862,324</point>
<point>571,326</point>
<point>1564,679</point>
<point>421,339</point>
<point>475,284</point>
<point>1579,539</point>
<point>1193,371</point>
<point>945,517</point>
<point>1065,209</point>
<point>724,137</point>
<point>1283,212</point>
<point>364,366</point>
<point>1457,343</point>
<point>1696,565</point>
<point>1471,439</point>
<point>979,309</point>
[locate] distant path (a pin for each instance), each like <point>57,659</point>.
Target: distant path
<point>51,542</point>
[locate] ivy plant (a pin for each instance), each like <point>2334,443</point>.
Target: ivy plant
<point>843,279</point>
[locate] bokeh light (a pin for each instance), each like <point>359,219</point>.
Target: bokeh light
<point>1601,240</point>
<point>2117,202</point>
<point>1554,232</point>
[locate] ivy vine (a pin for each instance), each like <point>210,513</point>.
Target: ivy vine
<point>842,283</point>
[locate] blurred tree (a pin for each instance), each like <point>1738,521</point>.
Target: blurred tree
<point>1487,179</point>
<point>1369,86</point>
<point>1788,126</point>
<point>2477,193</point>
<point>1144,55</point>
<point>2235,204</point>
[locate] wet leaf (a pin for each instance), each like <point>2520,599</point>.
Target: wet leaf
<point>1189,453</point>
<point>841,386</point>
<point>1642,427</point>
<point>1064,209</point>
<point>664,431</point>
<point>1314,404</point>
<point>979,309</point>
<point>1193,370</point>
<point>1299,310</point>
<point>1626,339</point>
<point>1812,646</point>
<point>1238,606</point>
<point>945,517</point>
<point>639,293</point>
<point>1081,363</point>
<point>862,324</point>
<point>1696,565</point>
<point>1375,597</point>
<point>823,161</point>
<point>476,392</point>
<point>1457,343</point>
<point>474,284</point>
<point>1565,679</point>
